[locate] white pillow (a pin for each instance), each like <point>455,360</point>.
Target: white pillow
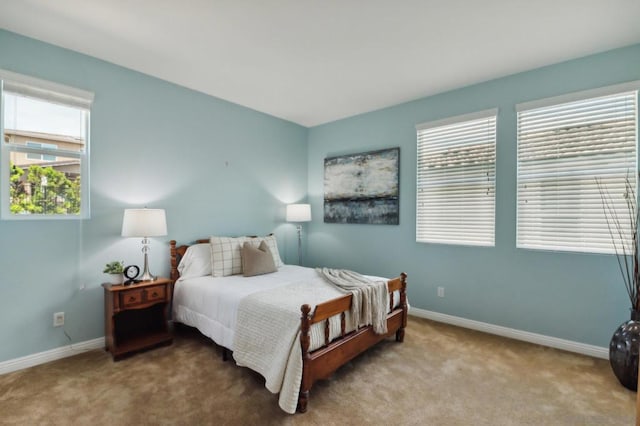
<point>196,261</point>
<point>226,255</point>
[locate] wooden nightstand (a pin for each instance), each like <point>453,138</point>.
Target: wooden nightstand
<point>136,316</point>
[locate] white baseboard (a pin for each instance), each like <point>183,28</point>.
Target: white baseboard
<point>50,355</point>
<point>540,339</point>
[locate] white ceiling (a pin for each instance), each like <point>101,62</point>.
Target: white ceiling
<point>315,61</point>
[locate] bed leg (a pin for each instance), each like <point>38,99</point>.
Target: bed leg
<point>225,354</point>
<point>303,400</point>
<point>305,341</point>
<point>405,308</point>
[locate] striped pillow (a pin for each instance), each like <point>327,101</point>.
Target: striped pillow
<point>226,255</point>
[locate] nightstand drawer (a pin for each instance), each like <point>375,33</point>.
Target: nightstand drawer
<point>155,293</point>
<point>131,297</point>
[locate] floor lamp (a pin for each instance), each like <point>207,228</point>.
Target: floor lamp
<point>144,223</point>
<point>299,213</point>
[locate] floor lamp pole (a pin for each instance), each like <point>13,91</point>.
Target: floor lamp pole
<point>299,244</point>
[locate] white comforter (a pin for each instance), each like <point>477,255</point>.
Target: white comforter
<point>212,306</point>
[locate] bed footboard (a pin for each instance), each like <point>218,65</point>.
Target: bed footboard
<point>322,362</point>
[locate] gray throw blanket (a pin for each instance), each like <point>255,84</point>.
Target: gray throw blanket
<point>370,298</point>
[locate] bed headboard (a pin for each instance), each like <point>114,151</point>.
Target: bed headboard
<point>176,254</point>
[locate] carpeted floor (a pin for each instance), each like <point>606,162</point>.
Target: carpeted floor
<point>440,375</point>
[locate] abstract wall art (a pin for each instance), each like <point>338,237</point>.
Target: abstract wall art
<point>362,188</point>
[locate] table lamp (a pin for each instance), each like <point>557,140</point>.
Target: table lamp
<point>144,223</point>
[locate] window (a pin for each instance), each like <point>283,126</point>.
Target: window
<point>41,157</point>
<point>45,146</point>
<point>566,147</point>
<point>456,180</point>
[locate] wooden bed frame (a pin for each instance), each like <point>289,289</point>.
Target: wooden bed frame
<point>324,361</point>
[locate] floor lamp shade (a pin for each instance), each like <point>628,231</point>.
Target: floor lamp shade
<point>298,213</point>
<point>144,223</point>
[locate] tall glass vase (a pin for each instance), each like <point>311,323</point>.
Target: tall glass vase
<point>623,351</point>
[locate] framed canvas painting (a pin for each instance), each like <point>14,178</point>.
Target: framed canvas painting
<point>362,188</point>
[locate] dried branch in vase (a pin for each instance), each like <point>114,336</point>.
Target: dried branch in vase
<point>623,230</point>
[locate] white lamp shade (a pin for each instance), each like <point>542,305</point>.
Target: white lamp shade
<point>144,223</point>
<point>298,213</point>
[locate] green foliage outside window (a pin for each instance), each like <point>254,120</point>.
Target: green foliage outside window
<point>43,190</point>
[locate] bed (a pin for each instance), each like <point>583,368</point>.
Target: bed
<point>219,308</point>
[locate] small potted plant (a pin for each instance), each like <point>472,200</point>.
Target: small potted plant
<point>114,270</point>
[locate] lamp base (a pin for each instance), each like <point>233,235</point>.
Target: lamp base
<point>146,275</point>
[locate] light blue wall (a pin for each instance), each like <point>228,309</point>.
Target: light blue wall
<point>216,167</point>
<point>572,296</point>
<point>219,168</point>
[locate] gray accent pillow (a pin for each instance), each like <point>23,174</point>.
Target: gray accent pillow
<point>257,260</point>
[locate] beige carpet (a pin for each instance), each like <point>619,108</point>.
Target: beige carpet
<point>440,375</point>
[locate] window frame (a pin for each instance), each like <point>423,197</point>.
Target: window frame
<point>557,102</point>
<point>487,114</point>
<point>47,91</point>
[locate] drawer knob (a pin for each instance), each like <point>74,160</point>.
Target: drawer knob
<point>154,294</point>
<point>132,299</point>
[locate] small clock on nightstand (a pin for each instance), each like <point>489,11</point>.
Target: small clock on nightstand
<point>131,272</point>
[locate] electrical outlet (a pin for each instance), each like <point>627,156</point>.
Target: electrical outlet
<point>440,291</point>
<point>58,319</point>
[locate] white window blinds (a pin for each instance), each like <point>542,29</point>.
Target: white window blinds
<point>564,149</point>
<point>456,180</point>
